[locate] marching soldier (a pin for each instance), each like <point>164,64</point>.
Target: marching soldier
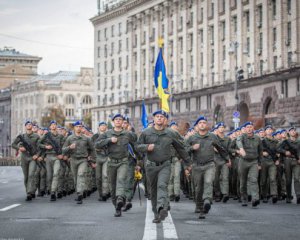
<point>221,182</point>
<point>269,165</point>
<point>156,142</point>
<point>81,151</point>
<point>101,168</point>
<point>116,140</point>
<point>202,146</point>
<point>290,148</point>
<point>52,143</point>
<point>27,145</point>
<point>174,183</point>
<point>250,148</point>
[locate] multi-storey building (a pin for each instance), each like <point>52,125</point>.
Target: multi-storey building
<point>5,117</point>
<point>16,66</point>
<point>205,43</point>
<point>70,92</point>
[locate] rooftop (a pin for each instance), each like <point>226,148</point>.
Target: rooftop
<point>11,52</point>
<point>58,77</point>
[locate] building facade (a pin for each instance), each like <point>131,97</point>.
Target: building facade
<point>16,66</point>
<point>70,92</point>
<point>205,43</point>
<point>5,122</point>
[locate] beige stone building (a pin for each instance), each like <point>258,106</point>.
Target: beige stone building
<point>69,91</point>
<point>16,66</point>
<point>206,42</point>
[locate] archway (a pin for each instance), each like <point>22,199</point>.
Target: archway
<point>218,114</point>
<point>244,112</point>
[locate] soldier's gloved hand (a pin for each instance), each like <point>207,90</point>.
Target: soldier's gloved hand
<point>60,157</point>
<point>196,146</point>
<point>93,165</point>
<point>242,152</point>
<point>49,147</point>
<point>150,147</point>
<point>114,139</point>
<point>288,153</point>
<point>277,162</point>
<point>187,172</point>
<point>34,157</point>
<point>40,159</point>
<point>22,149</point>
<point>72,146</point>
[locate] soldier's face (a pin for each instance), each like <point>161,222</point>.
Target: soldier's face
<point>243,130</point>
<point>221,129</point>
<point>53,127</point>
<point>293,133</point>
<point>28,126</point>
<point>269,131</point>
<point>159,119</point>
<point>118,122</point>
<point>35,129</point>
<point>102,128</point>
<point>283,135</point>
<point>40,132</point>
<point>125,124</point>
<point>261,134</point>
<point>249,129</point>
<point>202,125</point>
<point>78,129</point>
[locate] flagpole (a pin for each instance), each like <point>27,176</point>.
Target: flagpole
<point>161,44</point>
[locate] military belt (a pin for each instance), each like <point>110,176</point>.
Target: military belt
<point>152,163</point>
<point>204,163</point>
<point>115,160</point>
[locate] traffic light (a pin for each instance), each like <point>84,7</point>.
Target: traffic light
<point>240,74</point>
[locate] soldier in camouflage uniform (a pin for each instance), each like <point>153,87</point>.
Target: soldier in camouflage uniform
<point>116,140</point>
<point>202,146</point>
<point>52,143</point>
<point>81,151</point>
<point>29,156</point>
<point>156,143</point>
<point>250,149</point>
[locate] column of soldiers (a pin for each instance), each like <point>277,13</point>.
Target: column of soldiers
<point>245,164</point>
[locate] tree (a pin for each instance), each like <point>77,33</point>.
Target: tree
<point>87,119</point>
<point>53,113</point>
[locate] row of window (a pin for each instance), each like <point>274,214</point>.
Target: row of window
<point>70,99</point>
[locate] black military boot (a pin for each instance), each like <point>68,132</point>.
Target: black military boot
<point>225,198</point>
<point>177,198</point>
<point>53,197</point>
<point>255,202</point>
<point>33,195</point>
<point>288,200</point>
<point>244,203</point>
<point>28,197</point>
<point>206,206</point>
<point>202,214</point>
<point>88,193</point>
<point>265,200</point>
<point>172,197</point>
<point>127,207</point>
<point>64,193</point>
<point>298,200</point>
<point>42,193</point>
<point>119,205</point>
<point>162,213</point>
<point>59,195</point>
<point>84,194</point>
<point>79,199</point>
<point>274,199</point>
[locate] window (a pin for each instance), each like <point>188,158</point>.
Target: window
<point>112,48</point>
<point>198,103</point>
<point>201,59</point>
<point>224,75</point>
<point>188,104</point>
<point>120,29</point>
<point>99,50</point>
<point>234,20</point>
<point>105,51</point>
<point>70,99</point>
<point>247,16</point>
<point>260,40</point>
<point>261,66</point>
<point>224,52</point>
<point>99,35</point>
<point>260,16</point>
<point>52,99</point>
<point>289,6</point>
<point>112,30</point>
<point>201,14</point>
<point>181,65</point>
<point>112,65</point>
<point>248,46</point>
<point>201,35</point>
<point>98,88</point>
<point>289,58</point>
<point>284,88</point>
<point>87,99</point>
<point>289,32</point>
<point>105,34</point>
<point>212,10</point>
<point>223,30</point>
<point>181,44</point>
<point>274,8</point>
<point>212,58</point>
<point>120,46</point>
<point>274,36</point>
<point>275,62</point>
<point>120,63</point>
<point>69,112</point>
<point>177,105</point>
<point>212,37</point>
<point>209,101</point>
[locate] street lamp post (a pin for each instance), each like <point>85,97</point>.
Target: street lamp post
<point>233,50</point>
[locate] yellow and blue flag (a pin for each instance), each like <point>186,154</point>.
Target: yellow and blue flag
<point>144,117</point>
<point>161,82</point>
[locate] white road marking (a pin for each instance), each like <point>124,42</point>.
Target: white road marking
<point>169,228</point>
<point>150,232</point>
<point>9,207</point>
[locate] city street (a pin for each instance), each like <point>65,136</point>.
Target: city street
<point>63,219</point>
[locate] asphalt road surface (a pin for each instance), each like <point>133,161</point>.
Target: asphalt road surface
<point>64,219</point>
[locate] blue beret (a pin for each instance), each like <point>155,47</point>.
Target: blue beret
<point>173,123</point>
<point>260,130</point>
<point>275,133</point>
<point>161,112</point>
<point>292,128</point>
<point>126,118</point>
<point>28,122</point>
<point>238,129</point>
<point>102,123</point>
<point>213,129</point>
<point>282,131</point>
<point>45,129</point>
<point>190,129</point>
<point>77,123</point>
<point>52,122</point>
<point>230,133</point>
<point>200,119</point>
<point>117,115</point>
<point>220,124</point>
<point>268,126</point>
<point>247,124</point>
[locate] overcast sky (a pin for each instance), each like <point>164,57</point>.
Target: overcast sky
<point>59,31</point>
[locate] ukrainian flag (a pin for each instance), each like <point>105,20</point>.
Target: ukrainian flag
<point>161,82</point>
